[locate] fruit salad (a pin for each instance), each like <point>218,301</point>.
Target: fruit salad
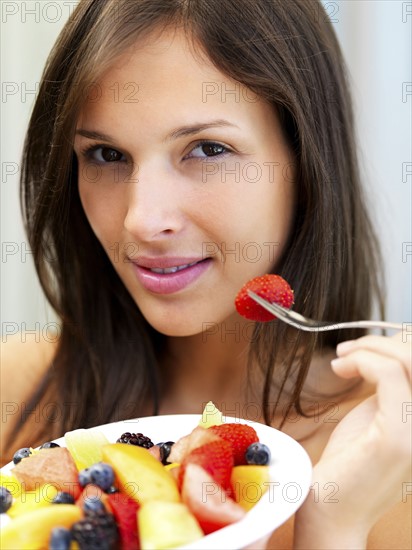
<point>133,493</point>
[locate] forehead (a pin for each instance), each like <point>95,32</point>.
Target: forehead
<point>164,74</point>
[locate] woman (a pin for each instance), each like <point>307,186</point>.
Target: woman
<point>167,139</point>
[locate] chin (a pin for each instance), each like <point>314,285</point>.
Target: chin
<point>177,329</point>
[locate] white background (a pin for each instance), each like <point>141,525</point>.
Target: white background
<point>376,40</point>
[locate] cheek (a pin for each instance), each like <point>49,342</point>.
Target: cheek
<point>269,222</point>
<point>260,212</point>
<point>103,209</point>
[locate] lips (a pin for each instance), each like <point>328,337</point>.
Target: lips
<point>166,275</point>
<point>171,269</point>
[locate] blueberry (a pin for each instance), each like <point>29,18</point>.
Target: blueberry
<point>258,453</point>
<point>20,454</point>
<point>63,498</point>
<point>102,475</point>
<point>84,477</point>
<point>6,499</point>
<point>112,489</point>
<point>60,539</point>
<point>49,445</point>
<point>164,449</point>
<point>93,506</point>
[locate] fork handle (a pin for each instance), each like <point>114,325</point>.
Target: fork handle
<point>354,324</point>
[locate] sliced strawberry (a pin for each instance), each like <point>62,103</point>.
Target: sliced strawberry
<point>183,446</point>
<point>270,287</point>
<point>210,505</point>
<point>240,436</point>
<point>124,510</point>
<point>216,458</point>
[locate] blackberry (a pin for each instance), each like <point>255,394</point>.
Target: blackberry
<point>93,506</point>
<point>139,440</point>
<point>97,532</point>
<point>164,449</point>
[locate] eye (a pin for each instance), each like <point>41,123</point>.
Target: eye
<point>207,149</point>
<point>104,154</point>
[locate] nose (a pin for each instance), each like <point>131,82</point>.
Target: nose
<point>155,204</point>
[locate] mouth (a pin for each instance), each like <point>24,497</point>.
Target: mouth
<point>169,275</point>
<point>173,269</point>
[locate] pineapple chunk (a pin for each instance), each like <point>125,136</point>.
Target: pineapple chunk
<point>85,446</point>
<point>178,525</point>
<point>211,416</point>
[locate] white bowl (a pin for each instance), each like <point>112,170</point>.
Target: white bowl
<point>290,475</point>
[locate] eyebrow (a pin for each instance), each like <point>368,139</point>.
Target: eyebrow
<point>199,127</point>
<point>174,134</point>
<point>93,135</point>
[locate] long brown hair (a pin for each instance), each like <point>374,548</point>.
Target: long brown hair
<point>107,362</point>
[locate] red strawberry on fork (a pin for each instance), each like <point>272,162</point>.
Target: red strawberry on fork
<point>272,288</point>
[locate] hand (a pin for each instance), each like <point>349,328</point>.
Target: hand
<point>368,456</point>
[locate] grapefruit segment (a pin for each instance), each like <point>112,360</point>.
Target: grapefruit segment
<point>124,510</point>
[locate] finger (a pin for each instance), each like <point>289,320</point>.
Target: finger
<point>392,419</point>
<point>391,347</point>
<point>387,373</point>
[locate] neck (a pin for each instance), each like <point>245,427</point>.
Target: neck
<point>210,366</point>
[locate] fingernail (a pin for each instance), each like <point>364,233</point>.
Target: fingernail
<point>344,346</point>
<point>337,362</point>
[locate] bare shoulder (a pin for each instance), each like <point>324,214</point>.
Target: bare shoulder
<point>24,362</point>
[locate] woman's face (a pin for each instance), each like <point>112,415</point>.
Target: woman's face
<point>178,165</point>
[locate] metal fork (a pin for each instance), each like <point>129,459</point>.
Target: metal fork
<point>304,323</point>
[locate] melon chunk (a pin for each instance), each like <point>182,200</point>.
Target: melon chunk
<point>49,466</point>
